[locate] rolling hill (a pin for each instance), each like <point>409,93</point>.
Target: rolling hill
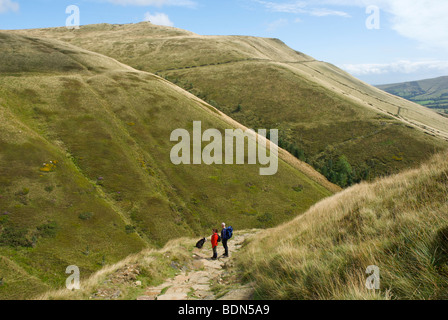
<point>431,93</point>
<point>345,128</point>
<point>85,171</point>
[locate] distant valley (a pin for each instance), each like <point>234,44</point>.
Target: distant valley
<point>431,93</point>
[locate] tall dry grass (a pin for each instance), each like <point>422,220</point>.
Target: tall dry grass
<point>399,224</point>
<point>154,267</point>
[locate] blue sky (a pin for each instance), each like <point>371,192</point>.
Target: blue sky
<point>411,42</point>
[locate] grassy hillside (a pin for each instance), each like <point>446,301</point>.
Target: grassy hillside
<point>85,171</point>
<point>346,129</point>
<point>399,224</point>
<point>431,93</point>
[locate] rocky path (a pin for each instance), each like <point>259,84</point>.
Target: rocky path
<point>208,279</point>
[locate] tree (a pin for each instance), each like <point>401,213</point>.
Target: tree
<point>238,109</point>
<point>344,172</point>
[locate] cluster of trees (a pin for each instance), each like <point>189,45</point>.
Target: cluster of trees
<point>337,169</point>
<point>334,166</point>
<point>292,149</point>
<point>289,146</point>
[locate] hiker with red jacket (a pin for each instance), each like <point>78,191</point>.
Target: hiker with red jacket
<point>214,239</point>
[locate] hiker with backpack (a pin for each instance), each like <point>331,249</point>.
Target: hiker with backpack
<point>214,240</point>
<point>226,234</point>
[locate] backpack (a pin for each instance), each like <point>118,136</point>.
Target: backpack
<point>200,243</point>
<point>229,231</point>
<point>219,238</point>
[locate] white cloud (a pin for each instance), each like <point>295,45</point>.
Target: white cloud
<point>423,20</point>
<point>159,18</point>
<point>328,12</point>
<point>277,24</point>
<point>295,7</point>
<point>402,66</point>
<point>301,7</point>
<point>8,5</point>
<point>155,3</point>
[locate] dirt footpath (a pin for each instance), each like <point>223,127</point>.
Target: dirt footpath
<point>209,279</point>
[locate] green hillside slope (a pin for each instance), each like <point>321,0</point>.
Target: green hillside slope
<point>85,170</point>
<point>347,129</point>
<point>398,224</point>
<point>431,93</point>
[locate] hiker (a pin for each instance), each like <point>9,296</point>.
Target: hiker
<point>215,237</point>
<point>226,234</point>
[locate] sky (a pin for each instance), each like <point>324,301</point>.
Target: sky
<point>378,41</point>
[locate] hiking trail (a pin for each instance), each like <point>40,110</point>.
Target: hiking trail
<point>208,279</point>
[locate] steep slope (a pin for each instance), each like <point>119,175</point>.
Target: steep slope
<point>431,93</point>
<point>85,171</point>
<point>323,113</point>
<point>399,224</point>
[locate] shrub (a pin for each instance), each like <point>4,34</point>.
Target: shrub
<point>14,237</point>
<point>298,188</point>
<point>118,196</point>
<point>265,217</point>
<point>99,181</point>
<point>213,103</point>
<point>47,230</point>
<point>238,109</point>
<point>129,229</point>
<point>85,216</point>
<point>23,192</point>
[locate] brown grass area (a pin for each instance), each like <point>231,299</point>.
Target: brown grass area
<point>398,224</point>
